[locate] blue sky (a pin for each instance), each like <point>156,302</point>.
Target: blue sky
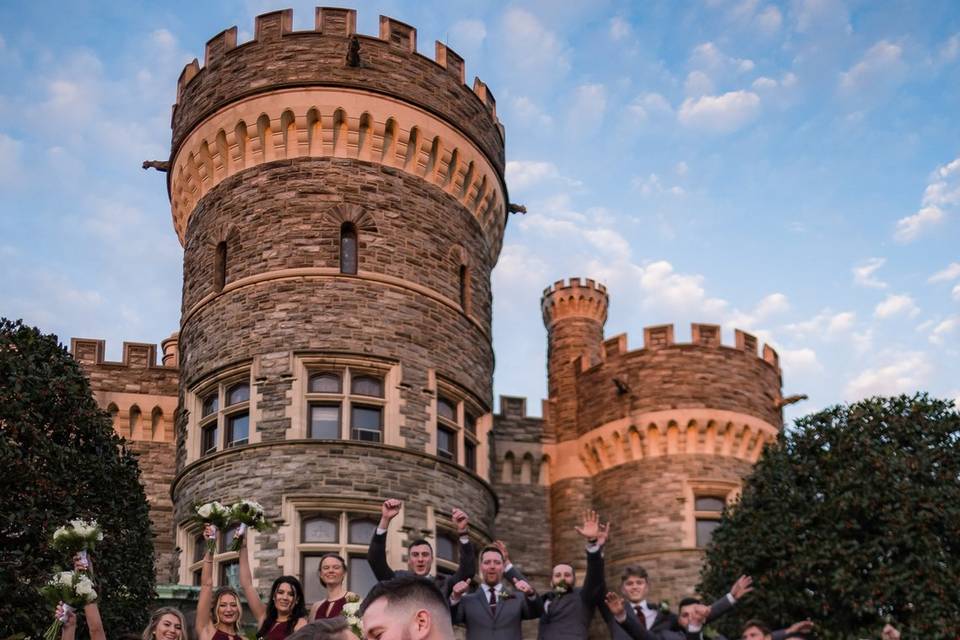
<point>788,168</point>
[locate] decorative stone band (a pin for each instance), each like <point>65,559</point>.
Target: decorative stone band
<point>341,123</point>
<point>330,273</point>
<point>659,433</point>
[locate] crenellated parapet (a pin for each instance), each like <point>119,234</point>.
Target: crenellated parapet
<point>574,298</point>
<point>298,94</point>
<point>136,355</point>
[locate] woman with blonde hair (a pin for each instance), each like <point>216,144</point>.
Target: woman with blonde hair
<point>166,623</point>
<point>218,613</point>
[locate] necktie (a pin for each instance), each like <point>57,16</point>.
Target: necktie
<point>642,619</point>
<point>493,600</point>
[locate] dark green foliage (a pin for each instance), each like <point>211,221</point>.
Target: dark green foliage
<point>61,459</point>
<point>852,519</point>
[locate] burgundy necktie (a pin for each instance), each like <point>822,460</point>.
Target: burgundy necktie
<point>493,600</point>
<point>640,617</point>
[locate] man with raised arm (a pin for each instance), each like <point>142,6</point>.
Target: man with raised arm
<point>494,612</point>
<point>420,552</point>
<point>655,618</point>
<point>568,609</point>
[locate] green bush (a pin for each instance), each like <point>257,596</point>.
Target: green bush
<point>853,519</point>
<point>60,459</point>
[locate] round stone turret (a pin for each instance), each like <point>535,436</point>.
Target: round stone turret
<point>340,200</point>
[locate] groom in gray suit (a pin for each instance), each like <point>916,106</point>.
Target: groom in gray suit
<point>493,612</point>
<point>568,609</point>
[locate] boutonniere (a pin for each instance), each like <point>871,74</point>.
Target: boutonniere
<point>503,594</point>
<point>664,606</point>
<point>561,588</point>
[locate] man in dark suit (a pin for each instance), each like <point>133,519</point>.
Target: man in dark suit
<point>758,630</point>
<point>568,609</point>
<point>653,617</point>
<point>407,607</point>
<point>493,612</point>
<point>420,552</point>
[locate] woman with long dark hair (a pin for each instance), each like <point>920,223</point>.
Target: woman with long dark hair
<point>284,611</point>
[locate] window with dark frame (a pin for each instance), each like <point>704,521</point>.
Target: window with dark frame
<point>707,513</point>
<point>328,405</point>
<point>220,266</point>
<point>345,534</point>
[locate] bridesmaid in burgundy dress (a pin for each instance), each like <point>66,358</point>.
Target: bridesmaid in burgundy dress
<point>285,611</point>
<point>333,577</point>
<point>218,614</point>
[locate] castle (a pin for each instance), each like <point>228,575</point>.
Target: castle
<point>341,204</point>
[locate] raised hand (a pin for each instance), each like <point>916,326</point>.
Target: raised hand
<point>591,526</point>
<point>502,547</point>
<point>209,532</point>
<point>741,587</point>
<point>459,589</point>
<point>804,626</point>
<point>388,511</point>
<point>461,520</point>
<point>603,534</point>
<point>71,617</point>
<point>699,614</point>
<point>614,603</point>
<point>890,632</point>
<point>81,563</point>
<point>524,586</point>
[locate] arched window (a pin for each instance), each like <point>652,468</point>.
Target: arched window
<point>220,266</point>
<point>348,248</point>
<point>465,288</point>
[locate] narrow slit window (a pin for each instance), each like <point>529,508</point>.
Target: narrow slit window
<point>348,248</point>
<point>220,266</point>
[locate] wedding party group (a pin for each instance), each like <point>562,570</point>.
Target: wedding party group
<point>488,595</point>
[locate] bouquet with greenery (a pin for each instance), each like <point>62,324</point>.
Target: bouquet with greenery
<point>249,514</point>
<point>73,590</point>
<point>212,513</point>
<point>78,537</point>
<point>350,612</point>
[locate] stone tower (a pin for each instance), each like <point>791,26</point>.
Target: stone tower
<point>341,203</point>
<point>656,439</point>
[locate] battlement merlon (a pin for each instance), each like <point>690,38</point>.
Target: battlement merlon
<point>574,298</point>
<point>702,335</point>
<point>331,21</point>
<point>136,355</point>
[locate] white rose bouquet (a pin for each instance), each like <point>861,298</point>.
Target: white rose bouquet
<point>212,513</point>
<point>249,514</point>
<point>350,611</point>
<point>78,537</point>
<point>73,590</point>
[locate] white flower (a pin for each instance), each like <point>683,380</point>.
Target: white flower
<point>205,511</point>
<point>64,577</point>
<point>59,533</point>
<point>84,587</point>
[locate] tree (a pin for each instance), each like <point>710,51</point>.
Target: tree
<point>60,459</point>
<point>851,519</point>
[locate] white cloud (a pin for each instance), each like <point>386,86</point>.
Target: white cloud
<point>698,84</point>
<point>941,193</point>
<point>943,329</point>
<point>950,273</point>
<point>802,360</point>
<point>532,49</point>
<point>956,293</point>
<point>768,21</point>
<point>528,111</point>
<point>817,16</point>
<point>649,105</point>
<point>519,273</point>
<point>950,50</point>
<point>666,289</point>
<point>468,34</point>
<point>764,83</point>
<point>720,114</point>
<point>771,305</point>
<point>525,173</point>
<point>863,273</point>
<point>911,227</point>
<point>10,160</point>
<point>589,105</point>
<point>710,57</point>
<point>902,373</point>
<point>652,185</point>
<point>881,64</point>
<point>619,28</point>
<point>825,324</point>
<point>896,304</point>
<point>681,168</point>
